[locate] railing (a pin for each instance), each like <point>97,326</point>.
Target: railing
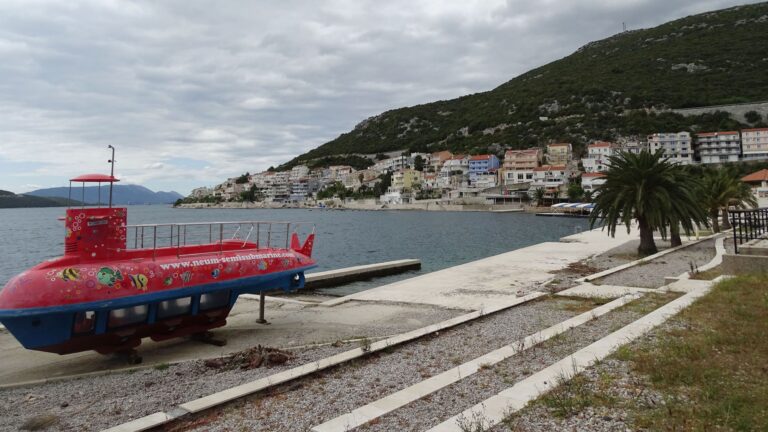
<point>748,225</point>
<point>264,234</point>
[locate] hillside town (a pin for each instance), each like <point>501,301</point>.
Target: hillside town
<point>549,173</point>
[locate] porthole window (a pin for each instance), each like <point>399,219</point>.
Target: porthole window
<point>127,316</point>
<point>175,307</point>
<point>214,300</point>
<point>85,322</point>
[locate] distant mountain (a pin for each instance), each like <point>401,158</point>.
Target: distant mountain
<point>619,86</point>
<point>121,194</point>
<point>11,200</point>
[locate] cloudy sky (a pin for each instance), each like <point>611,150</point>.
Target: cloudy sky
<point>192,92</point>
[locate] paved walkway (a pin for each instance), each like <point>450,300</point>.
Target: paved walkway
<point>291,324</point>
<point>477,284</point>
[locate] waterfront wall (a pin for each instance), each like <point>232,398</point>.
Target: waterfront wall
<point>364,205</point>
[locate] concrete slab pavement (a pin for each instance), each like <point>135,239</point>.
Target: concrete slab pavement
<point>292,324</point>
<point>475,285</point>
<point>588,290</point>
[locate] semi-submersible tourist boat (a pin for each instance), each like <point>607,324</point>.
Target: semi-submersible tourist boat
<point>117,284</point>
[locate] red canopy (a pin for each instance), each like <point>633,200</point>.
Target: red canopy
<point>94,178</point>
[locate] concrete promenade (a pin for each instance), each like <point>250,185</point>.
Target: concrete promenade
<point>382,311</point>
<point>477,284</point>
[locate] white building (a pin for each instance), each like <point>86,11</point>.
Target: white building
<point>485,180</point>
<point>426,158</point>
<point>591,181</point>
<point>338,172</point>
<point>597,156</point>
<point>298,172</point>
<point>454,173</point>
<point>394,197</point>
<point>676,146</point>
<point>278,192</point>
<point>718,147</point>
<point>549,176</point>
<point>634,147</point>
<point>754,144</point>
<point>518,175</point>
<point>391,164</point>
<point>299,190</point>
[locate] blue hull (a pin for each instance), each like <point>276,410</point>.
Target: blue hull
<point>54,329</point>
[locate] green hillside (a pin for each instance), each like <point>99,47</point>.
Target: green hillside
<point>11,200</point>
<point>599,92</point>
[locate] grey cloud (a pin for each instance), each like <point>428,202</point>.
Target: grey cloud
<point>245,85</point>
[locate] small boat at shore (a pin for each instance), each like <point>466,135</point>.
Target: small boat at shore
<point>117,284</point>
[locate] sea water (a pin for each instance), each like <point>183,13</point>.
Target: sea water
<point>344,238</point>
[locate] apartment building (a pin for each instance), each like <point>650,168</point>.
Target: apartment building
<point>559,153</point>
<point>519,164</point>
<point>597,156</point>
<point>405,179</point>
<point>718,147</point>
<point>677,146</point>
<point>754,144</point>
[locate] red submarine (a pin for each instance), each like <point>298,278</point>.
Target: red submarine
<point>117,284</point>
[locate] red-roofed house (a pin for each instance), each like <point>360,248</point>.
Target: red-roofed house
<point>519,164</point>
<point>437,159</point>
<point>481,165</point>
<point>718,147</point>
<point>759,182</point>
<point>754,144</point>
<point>591,181</point>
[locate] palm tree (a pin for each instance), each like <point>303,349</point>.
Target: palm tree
<point>643,187</point>
<point>742,198</point>
<point>721,189</point>
<point>538,195</point>
<point>685,217</point>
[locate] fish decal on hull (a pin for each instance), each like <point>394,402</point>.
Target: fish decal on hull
<point>186,276</point>
<point>138,281</point>
<point>109,277</point>
<point>69,274</point>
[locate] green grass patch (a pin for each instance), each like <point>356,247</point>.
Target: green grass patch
<point>708,274</point>
<point>581,304</point>
<point>650,302</point>
<point>712,370</point>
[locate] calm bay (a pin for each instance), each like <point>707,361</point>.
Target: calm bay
<point>344,238</point>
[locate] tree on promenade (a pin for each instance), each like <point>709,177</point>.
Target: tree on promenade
<point>686,216</point>
<point>721,189</point>
<point>644,188</point>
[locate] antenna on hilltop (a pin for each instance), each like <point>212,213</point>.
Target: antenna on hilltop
<point>111,174</point>
<point>623,26</point>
